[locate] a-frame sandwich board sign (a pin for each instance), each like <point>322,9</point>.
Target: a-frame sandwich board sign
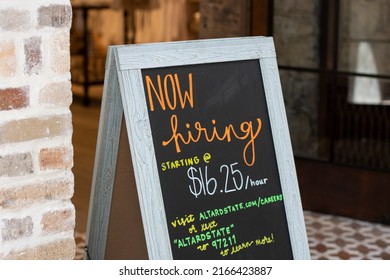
<point>201,164</point>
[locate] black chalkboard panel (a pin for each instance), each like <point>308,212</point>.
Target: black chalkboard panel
<point>216,161</point>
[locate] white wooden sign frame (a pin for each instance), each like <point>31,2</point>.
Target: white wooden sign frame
<point>124,95</point>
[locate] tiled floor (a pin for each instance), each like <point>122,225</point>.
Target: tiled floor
<point>335,238</point>
<point>331,238</point>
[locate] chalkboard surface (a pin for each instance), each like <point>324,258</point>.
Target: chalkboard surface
<point>216,161</point>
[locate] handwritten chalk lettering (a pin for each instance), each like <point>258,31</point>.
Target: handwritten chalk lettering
<point>224,252</point>
<point>204,184</point>
<point>168,90</point>
<point>269,199</point>
<point>247,131</point>
<point>184,162</point>
<point>265,240</point>
<point>201,183</point>
<point>204,215</point>
<point>208,226</point>
<point>206,157</point>
<point>224,242</point>
<point>259,202</point>
<point>168,165</point>
<point>240,247</point>
<point>234,173</point>
<point>203,247</point>
<point>192,229</point>
<point>259,182</point>
<point>168,94</point>
<point>183,221</point>
<point>202,237</point>
<point>252,203</point>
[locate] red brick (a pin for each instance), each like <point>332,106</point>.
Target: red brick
<point>16,165</point>
<point>33,55</point>
<point>56,94</point>
<point>14,20</point>
<point>60,52</point>
<point>58,221</point>
<point>21,130</point>
<point>64,249</point>
<point>40,191</point>
<point>14,98</point>
<point>16,228</point>
<point>55,16</point>
<point>7,58</point>
<point>56,158</point>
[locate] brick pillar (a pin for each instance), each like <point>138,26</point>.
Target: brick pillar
<point>37,217</point>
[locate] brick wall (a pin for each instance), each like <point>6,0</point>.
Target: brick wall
<point>37,218</point>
